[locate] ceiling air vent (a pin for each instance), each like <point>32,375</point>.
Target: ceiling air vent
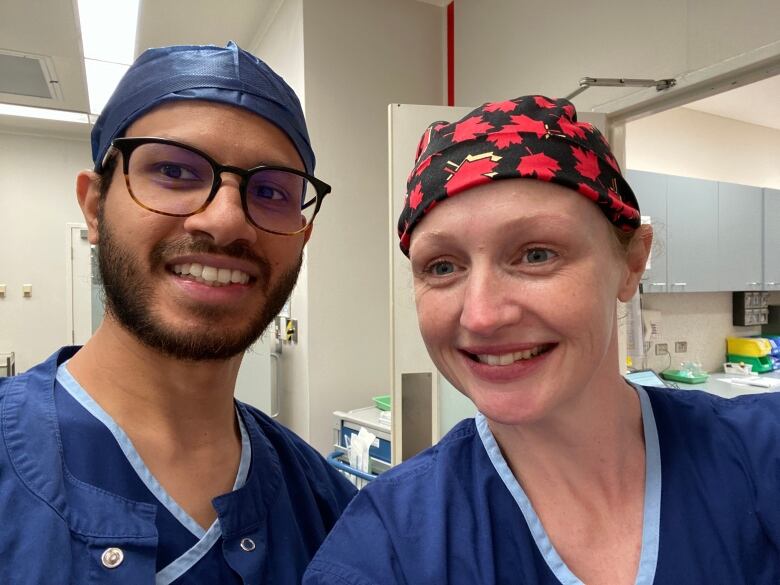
<point>28,75</point>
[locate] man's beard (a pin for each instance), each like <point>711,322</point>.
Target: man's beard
<point>129,298</point>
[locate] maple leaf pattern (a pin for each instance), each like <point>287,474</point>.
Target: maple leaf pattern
<point>423,165</point>
<point>569,109</point>
<point>506,106</point>
<point>612,162</point>
<point>588,191</point>
<point>469,128</point>
<point>570,129</point>
<point>587,163</point>
<point>506,136</point>
<point>525,124</point>
<point>416,196</point>
<point>540,164</point>
<point>542,102</point>
<point>473,171</point>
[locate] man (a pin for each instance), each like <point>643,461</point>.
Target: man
<point>128,460</point>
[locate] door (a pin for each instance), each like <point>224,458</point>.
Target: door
<point>79,297</point>
<point>408,353</point>
<point>257,382</point>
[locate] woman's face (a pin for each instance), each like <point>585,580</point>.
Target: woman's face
<point>516,283</point>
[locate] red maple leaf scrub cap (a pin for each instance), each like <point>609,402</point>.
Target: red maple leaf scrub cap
<point>527,137</point>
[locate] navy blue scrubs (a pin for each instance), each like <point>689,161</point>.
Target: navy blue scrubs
<point>79,506</point>
<point>455,514</point>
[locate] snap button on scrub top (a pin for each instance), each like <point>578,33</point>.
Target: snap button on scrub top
<point>247,544</point>
<point>112,557</point>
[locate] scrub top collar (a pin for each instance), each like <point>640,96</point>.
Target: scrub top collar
<point>652,503</point>
<point>28,417</point>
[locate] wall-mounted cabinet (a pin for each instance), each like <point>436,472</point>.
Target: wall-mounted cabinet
<point>771,239</point>
<point>710,236</point>
<point>740,237</point>
<point>650,189</point>
<point>692,234</point>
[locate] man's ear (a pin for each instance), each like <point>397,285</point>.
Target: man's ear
<point>636,260</point>
<point>88,194</point>
<point>307,233</point>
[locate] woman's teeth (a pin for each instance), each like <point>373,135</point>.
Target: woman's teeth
<point>505,359</point>
<point>210,275</point>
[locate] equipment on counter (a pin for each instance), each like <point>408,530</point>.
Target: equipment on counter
<point>645,378</point>
<point>741,369</point>
<point>348,425</point>
<point>754,351</point>
<point>685,376</point>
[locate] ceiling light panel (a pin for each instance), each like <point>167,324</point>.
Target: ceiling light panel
<point>42,113</point>
<point>108,29</point>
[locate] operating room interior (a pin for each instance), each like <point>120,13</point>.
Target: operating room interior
<point>686,88</point>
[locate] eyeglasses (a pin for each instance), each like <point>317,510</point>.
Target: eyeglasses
<point>178,180</point>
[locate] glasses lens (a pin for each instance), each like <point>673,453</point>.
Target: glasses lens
<point>280,201</point>
<point>169,178</point>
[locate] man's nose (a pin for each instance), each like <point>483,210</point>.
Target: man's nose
<point>224,218</point>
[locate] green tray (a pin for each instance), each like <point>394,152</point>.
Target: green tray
<point>684,377</point>
<point>383,402</point>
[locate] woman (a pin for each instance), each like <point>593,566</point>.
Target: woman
<point>567,474</point>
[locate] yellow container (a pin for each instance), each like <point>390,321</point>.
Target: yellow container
<point>753,347</point>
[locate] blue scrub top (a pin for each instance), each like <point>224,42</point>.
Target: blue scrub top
<point>455,514</point>
<point>72,487</point>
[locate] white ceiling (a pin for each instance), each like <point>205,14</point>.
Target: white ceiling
<point>50,28</point>
<point>757,103</point>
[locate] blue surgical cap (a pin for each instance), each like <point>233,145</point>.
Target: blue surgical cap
<point>226,75</point>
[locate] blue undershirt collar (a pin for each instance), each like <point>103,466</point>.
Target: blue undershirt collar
<point>652,504</point>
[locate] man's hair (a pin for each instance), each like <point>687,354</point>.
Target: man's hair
<point>105,177</point>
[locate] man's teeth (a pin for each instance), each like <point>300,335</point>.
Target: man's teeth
<point>211,275</point>
<point>505,359</point>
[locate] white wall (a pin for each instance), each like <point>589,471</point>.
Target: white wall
<point>282,49</point>
<point>690,143</point>
<point>37,199</point>
<point>506,48</point>
<point>360,56</point>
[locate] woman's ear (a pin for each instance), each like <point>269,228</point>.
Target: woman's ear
<point>88,194</point>
<point>636,260</point>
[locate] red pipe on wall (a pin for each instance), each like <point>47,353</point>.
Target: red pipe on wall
<point>451,53</point>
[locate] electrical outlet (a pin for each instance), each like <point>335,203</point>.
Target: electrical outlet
<point>661,349</point>
<point>680,346</point>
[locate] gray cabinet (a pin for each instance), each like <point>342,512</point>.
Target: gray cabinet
<point>771,239</point>
<point>709,236</point>
<point>740,237</point>
<point>650,191</point>
<point>692,220</point>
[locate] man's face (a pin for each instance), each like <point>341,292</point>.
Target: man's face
<point>146,259</point>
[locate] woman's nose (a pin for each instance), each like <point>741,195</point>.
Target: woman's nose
<point>490,303</point>
<point>224,218</point>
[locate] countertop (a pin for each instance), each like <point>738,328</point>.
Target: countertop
<point>717,384</point>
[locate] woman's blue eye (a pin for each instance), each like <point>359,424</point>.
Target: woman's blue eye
<point>442,268</point>
<point>538,255</point>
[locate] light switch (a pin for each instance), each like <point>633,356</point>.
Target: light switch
<point>27,290</point>
<point>2,291</point>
